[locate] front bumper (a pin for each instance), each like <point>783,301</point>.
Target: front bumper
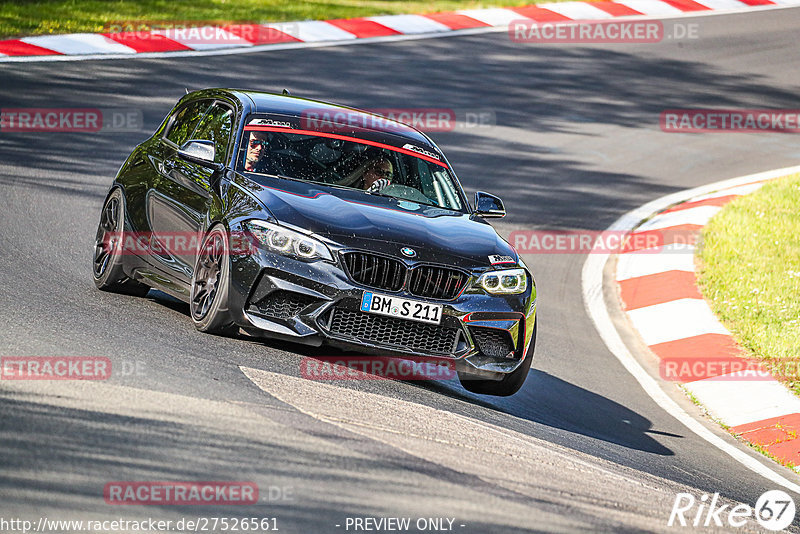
<point>316,303</point>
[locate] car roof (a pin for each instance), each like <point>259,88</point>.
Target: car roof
<point>293,106</point>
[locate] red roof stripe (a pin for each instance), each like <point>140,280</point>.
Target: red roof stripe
<point>345,138</point>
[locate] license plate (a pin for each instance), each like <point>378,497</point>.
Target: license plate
<point>401,308</point>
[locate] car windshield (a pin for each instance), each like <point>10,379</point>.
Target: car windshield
<point>405,173</point>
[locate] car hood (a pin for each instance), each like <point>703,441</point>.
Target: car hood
<point>353,219</point>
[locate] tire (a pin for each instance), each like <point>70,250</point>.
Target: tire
<point>208,297</point>
<point>506,386</point>
<point>107,268</point>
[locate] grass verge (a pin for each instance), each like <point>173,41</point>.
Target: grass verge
<point>37,17</point>
<point>750,274</point>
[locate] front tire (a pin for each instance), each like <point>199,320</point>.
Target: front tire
<point>107,268</point>
<point>506,386</point>
<point>208,300</point>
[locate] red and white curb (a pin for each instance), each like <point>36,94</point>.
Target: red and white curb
<point>660,298</point>
<point>239,37</point>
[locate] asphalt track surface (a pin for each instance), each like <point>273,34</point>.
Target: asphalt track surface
<point>577,143</point>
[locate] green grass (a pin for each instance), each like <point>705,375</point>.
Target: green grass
<point>765,452</point>
<point>37,17</point>
<point>750,274</point>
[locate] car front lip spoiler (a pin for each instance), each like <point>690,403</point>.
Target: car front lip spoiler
<point>311,329</point>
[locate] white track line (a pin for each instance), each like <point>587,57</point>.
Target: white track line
<point>730,398</point>
<point>739,190</point>
<point>721,4</point>
<point>409,24</point>
<point>578,10</point>
<point>592,286</point>
<point>313,31</point>
<point>699,215</point>
<point>676,319</point>
<point>655,260</point>
<point>494,16</point>
<point>650,7</point>
<point>79,43</point>
<point>195,38</point>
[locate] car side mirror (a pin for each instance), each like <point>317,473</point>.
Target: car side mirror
<point>489,206</point>
<point>200,152</point>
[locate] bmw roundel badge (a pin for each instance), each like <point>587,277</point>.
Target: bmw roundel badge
<point>410,252</point>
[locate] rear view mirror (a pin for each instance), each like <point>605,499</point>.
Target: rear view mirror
<point>489,206</point>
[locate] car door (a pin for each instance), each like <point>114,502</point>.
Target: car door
<point>180,198</point>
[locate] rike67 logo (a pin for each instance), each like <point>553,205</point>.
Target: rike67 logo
<point>774,510</point>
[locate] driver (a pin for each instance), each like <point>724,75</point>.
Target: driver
<point>256,148</point>
<point>378,175</point>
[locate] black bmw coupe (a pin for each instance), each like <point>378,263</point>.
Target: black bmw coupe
<point>316,223</point>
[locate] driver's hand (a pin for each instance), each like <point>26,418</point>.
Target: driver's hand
<point>378,185</point>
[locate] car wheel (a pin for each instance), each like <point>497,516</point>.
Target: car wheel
<point>107,269</point>
<point>506,386</point>
<point>208,300</point>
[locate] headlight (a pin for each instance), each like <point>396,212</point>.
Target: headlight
<point>505,282</point>
<point>288,242</point>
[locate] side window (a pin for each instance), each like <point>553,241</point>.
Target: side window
<point>186,121</point>
<point>216,126</point>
